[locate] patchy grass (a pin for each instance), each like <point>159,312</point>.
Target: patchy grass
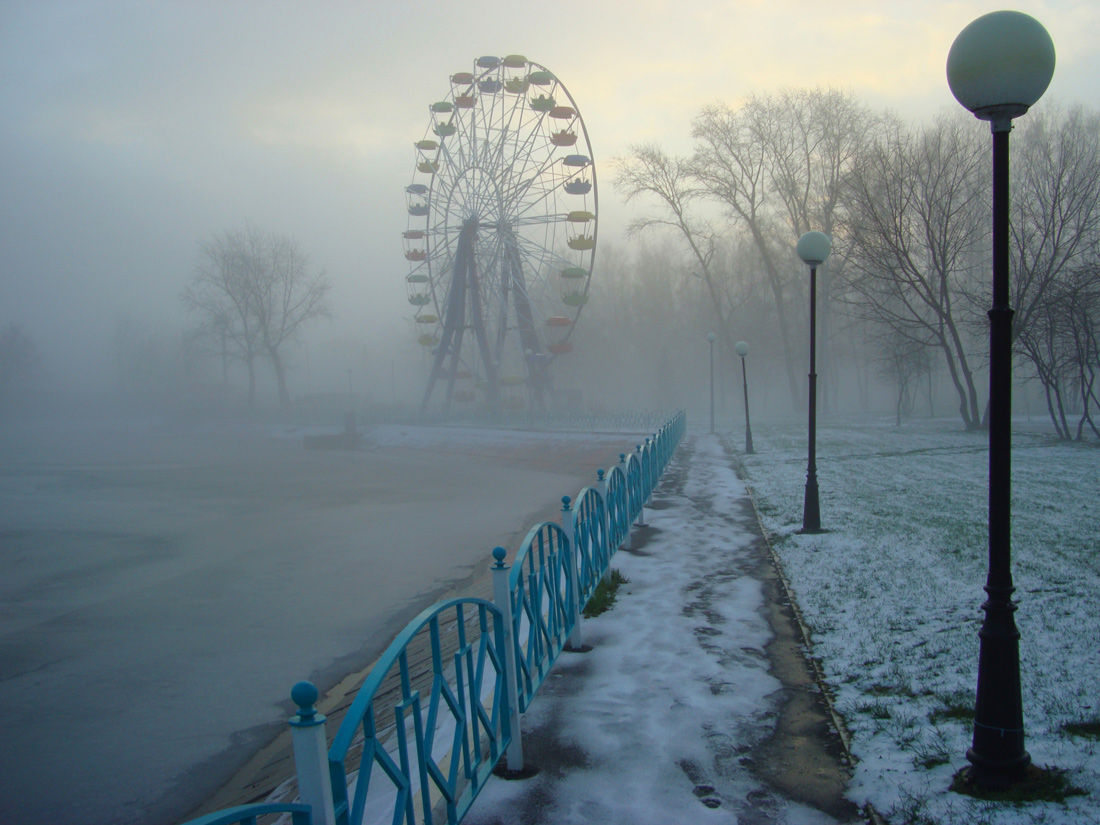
<point>959,712</point>
<point>606,593</point>
<point>1089,730</point>
<point>1038,785</point>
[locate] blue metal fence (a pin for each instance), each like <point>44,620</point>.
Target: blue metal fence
<point>442,706</point>
<point>540,592</point>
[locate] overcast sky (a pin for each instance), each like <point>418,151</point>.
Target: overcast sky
<point>130,131</point>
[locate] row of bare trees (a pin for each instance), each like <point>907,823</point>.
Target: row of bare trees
<point>253,291</point>
<point>908,208</point>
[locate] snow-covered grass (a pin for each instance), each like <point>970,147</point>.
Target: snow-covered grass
<point>892,595</point>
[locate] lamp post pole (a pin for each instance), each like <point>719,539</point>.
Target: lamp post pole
<point>813,248</point>
<point>742,349</point>
<point>997,68</point>
<point>711,338</point>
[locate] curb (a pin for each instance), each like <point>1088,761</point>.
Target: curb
<point>803,630</point>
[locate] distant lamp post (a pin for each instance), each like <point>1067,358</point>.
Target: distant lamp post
<point>813,248</point>
<point>711,338</point>
<point>742,349</point>
<point>997,68</point>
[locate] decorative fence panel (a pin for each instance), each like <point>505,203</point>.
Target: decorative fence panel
<point>632,469</point>
<point>447,722</point>
<point>442,706</point>
<point>591,550</point>
<point>541,593</point>
<point>618,509</point>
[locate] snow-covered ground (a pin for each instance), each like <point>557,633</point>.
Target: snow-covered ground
<point>658,723</point>
<point>892,594</point>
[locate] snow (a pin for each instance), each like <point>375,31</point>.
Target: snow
<point>676,691</point>
<point>892,594</point>
<point>660,716</point>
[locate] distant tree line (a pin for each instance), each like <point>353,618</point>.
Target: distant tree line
<point>908,209</point>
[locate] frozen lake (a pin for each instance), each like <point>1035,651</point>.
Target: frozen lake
<point>164,588</point>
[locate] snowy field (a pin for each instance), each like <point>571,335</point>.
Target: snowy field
<point>892,595</point>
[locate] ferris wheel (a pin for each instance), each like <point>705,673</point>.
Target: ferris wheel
<point>501,233</point>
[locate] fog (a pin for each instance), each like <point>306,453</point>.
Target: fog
<point>134,473</point>
<point>131,134</point>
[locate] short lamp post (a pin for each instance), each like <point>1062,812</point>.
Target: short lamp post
<point>997,68</point>
<point>813,248</point>
<point>742,349</point>
<point>711,338</point>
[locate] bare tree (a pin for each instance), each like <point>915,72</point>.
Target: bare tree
<point>1055,236</point>
<point>648,172</point>
<point>777,165</point>
<point>1084,314</point>
<point>903,361</point>
<point>917,223</point>
<point>732,165</point>
<point>221,294</point>
<point>1055,203</point>
<point>1062,342</point>
<point>255,290</point>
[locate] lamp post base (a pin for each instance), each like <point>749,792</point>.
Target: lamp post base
<point>811,511</point>
<point>995,774</point>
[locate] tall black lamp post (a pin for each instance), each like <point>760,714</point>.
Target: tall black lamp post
<point>711,338</point>
<point>997,68</point>
<point>742,349</point>
<point>813,248</point>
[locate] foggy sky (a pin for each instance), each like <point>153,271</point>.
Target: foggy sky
<point>131,131</point>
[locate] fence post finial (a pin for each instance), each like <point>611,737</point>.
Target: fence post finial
<point>307,732</point>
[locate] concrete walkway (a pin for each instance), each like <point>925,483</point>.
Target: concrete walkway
<point>695,703</point>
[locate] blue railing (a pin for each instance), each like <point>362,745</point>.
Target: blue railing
<point>250,814</point>
<point>464,701</point>
<point>540,592</point>
<point>442,706</point>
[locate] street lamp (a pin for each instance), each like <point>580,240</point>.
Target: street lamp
<point>742,349</point>
<point>711,337</point>
<point>813,248</point>
<point>997,68</point>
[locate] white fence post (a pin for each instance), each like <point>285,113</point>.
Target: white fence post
<point>307,732</point>
<point>568,525</point>
<point>502,597</point>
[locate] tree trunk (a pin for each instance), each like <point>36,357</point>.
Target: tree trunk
<point>280,377</point>
<point>251,363</point>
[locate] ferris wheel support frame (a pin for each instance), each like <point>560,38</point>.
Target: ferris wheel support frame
<point>464,282</point>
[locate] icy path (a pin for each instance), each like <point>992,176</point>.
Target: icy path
<point>661,721</point>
